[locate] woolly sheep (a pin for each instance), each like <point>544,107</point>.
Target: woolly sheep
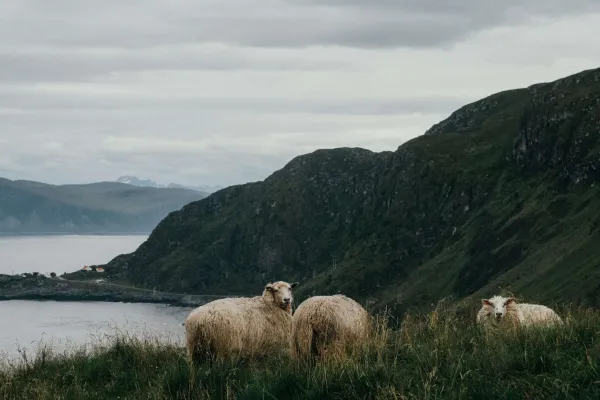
<point>241,326</point>
<point>499,310</point>
<point>325,325</point>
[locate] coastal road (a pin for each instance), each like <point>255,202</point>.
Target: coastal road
<point>134,288</point>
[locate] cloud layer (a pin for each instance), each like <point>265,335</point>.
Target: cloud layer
<point>227,91</point>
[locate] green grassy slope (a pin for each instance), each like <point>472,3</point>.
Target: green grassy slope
<point>36,207</point>
<point>502,195</point>
<point>435,356</point>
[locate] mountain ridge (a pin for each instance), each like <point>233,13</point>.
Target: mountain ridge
<point>29,207</point>
<point>134,180</point>
<point>481,202</point>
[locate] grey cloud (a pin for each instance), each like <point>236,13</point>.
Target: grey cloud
<point>76,103</point>
<point>210,167</point>
<point>81,65</point>
<point>218,146</point>
<point>433,23</point>
<point>32,102</point>
<point>268,23</point>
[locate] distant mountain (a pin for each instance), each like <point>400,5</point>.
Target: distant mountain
<point>104,207</point>
<point>134,180</point>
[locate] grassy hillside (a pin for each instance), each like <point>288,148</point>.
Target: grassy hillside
<point>502,194</point>
<point>435,356</point>
<point>34,207</point>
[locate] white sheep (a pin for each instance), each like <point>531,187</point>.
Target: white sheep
<point>241,326</point>
<point>500,310</point>
<point>327,326</point>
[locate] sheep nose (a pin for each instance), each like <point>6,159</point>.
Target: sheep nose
<point>286,300</point>
<point>498,315</point>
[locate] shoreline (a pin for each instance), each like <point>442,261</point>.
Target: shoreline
<point>40,288</point>
<point>91,299</point>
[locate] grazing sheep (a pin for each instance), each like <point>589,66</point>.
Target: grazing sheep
<point>241,326</point>
<point>325,325</point>
<point>500,310</point>
<point>537,314</point>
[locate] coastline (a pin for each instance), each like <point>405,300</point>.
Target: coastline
<point>18,287</point>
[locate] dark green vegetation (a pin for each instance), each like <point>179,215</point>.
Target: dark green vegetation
<point>435,356</point>
<point>504,193</point>
<point>105,207</point>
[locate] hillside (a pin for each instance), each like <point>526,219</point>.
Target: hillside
<point>104,207</point>
<point>502,194</point>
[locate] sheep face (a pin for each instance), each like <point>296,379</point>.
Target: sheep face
<point>281,293</point>
<point>497,307</point>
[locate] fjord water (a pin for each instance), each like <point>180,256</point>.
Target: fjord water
<point>59,254</point>
<point>66,324</point>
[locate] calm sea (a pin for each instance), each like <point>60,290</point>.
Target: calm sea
<point>60,254</point>
<point>67,324</point>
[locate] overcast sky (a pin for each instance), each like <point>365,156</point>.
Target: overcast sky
<point>228,91</point>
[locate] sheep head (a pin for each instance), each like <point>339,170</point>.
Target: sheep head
<point>280,293</point>
<point>498,307</point>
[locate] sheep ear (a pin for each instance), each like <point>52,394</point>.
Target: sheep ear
<point>486,302</point>
<point>293,285</point>
<point>510,300</point>
<point>269,287</point>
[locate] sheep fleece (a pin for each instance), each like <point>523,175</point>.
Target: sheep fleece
<point>238,325</point>
<point>533,314</point>
<point>523,314</point>
<point>323,320</point>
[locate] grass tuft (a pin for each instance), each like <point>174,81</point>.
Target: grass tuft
<point>438,355</point>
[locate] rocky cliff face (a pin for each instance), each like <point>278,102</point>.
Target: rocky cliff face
<point>502,194</point>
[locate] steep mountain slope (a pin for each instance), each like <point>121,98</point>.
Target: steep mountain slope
<point>34,207</point>
<point>502,194</point>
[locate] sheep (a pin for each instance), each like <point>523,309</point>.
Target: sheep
<point>499,310</point>
<point>537,314</point>
<point>322,326</point>
<point>241,326</point>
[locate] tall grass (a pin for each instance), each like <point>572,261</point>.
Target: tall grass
<point>438,355</point>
